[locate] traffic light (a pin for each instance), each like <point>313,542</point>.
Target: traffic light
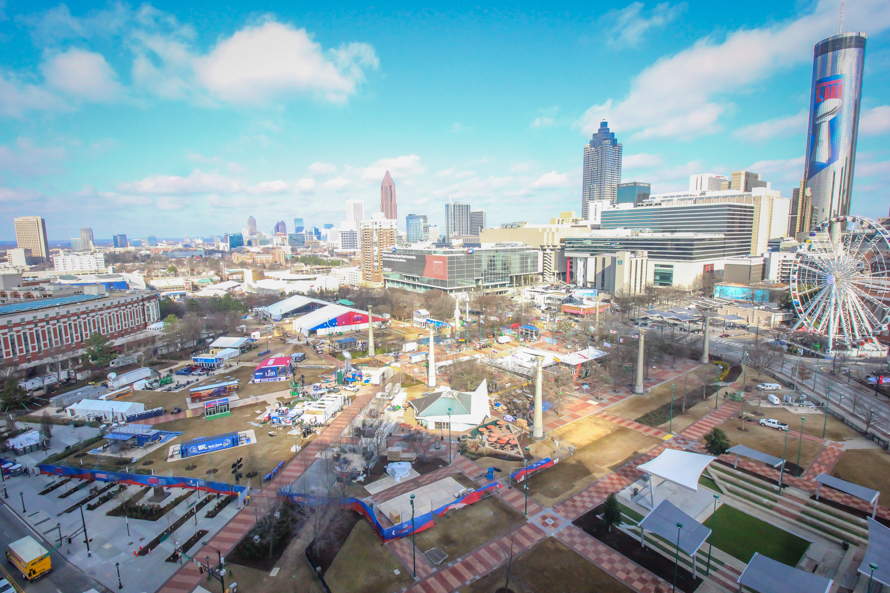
<point>236,469</point>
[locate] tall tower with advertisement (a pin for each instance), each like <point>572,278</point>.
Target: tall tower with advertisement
<point>833,129</point>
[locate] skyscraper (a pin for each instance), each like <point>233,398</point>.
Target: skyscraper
<point>477,221</point>
<point>298,225</point>
<point>633,192</point>
<point>746,181</point>
<point>251,225</point>
<point>355,212</point>
<point>706,182</point>
<point>418,228</point>
<point>378,234</point>
<point>388,198</point>
<point>835,95</point>
<point>457,220</point>
<point>30,233</point>
<point>281,227</point>
<point>120,241</point>
<point>86,239</point>
<point>602,168</point>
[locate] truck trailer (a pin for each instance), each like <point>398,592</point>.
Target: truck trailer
<point>30,558</point>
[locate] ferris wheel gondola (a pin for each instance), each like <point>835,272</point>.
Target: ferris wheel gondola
<point>840,281</point>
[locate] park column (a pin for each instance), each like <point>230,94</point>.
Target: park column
<point>432,360</point>
<point>641,364</point>
<point>704,353</point>
<point>538,430</point>
<point>370,332</point>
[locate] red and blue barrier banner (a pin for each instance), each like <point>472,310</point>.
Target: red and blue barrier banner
<point>140,479</point>
<point>526,472</point>
<point>403,529</point>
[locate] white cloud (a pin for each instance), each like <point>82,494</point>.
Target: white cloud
<point>270,187</point>
<point>18,97</point>
<point>319,168</point>
<point>82,74</point>
<point>774,128</point>
<point>260,64</point>
<point>640,161</point>
<point>304,185</point>
<point>875,121</point>
<point>28,160</point>
<point>780,171</point>
<point>400,166</point>
<point>685,95</point>
<point>459,127</point>
<point>552,180</point>
<point>628,26</point>
<point>197,182</point>
<point>454,173</point>
<point>520,167</point>
<point>546,117</point>
<point>337,183</point>
<point>20,196</point>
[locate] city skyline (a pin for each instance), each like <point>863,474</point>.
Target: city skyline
<point>137,138</point>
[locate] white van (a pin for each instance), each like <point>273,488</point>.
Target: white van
<point>773,399</point>
<point>769,387</point>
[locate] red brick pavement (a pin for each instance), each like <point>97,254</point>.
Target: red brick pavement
<point>187,577</point>
<point>727,577</point>
<point>402,549</point>
<point>647,430</point>
<point>704,425</point>
<point>826,460</point>
<point>480,562</point>
<point>625,570</point>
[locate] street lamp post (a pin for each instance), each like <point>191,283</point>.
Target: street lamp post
<point>711,546</point>
<point>800,443</point>
<point>449,436</point>
<point>413,539</point>
<point>525,481</point>
<point>59,527</point>
<point>22,494</point>
<point>784,457</point>
<point>677,557</point>
<point>3,479</point>
<point>871,577</point>
<point>117,565</point>
<point>671,426</point>
<point>827,404</point>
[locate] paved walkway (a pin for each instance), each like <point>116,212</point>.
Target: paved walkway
<point>188,577</point>
<point>645,429</point>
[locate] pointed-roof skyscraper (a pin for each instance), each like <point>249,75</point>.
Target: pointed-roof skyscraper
<point>388,197</point>
<point>602,169</point>
<point>251,225</point>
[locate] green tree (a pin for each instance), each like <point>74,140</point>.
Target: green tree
<point>14,396</point>
<point>172,269</point>
<point>100,352</point>
<point>716,442</point>
<point>611,511</point>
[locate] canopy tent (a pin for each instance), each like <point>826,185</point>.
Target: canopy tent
<point>766,575</point>
<point>877,552</point>
<point>680,467</point>
<point>867,494</point>
<point>773,462</point>
<point>663,522</point>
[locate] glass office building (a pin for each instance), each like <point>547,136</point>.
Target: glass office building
<point>688,247</point>
<point>460,270</point>
<point>418,228</point>
<point>633,192</point>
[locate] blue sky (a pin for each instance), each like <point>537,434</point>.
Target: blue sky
<point>169,120</point>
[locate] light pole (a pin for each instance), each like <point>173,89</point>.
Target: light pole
<point>525,481</point>
<point>22,494</point>
<point>677,557</point>
<point>86,537</point>
<point>784,456</point>
<point>3,479</point>
<point>59,527</point>
<point>800,443</point>
<point>413,539</point>
<point>711,547</point>
<point>117,565</point>
<point>827,403</point>
<point>873,566</point>
<point>449,436</point>
<point>671,426</point>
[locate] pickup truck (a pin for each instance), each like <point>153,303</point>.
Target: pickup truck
<point>30,558</point>
<point>772,423</point>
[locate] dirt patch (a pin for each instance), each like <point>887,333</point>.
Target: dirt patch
<point>149,462</point>
<point>659,396</point>
<point>835,430</point>
<point>363,559</point>
<point>545,567</point>
<point>191,467</point>
<point>770,441</point>
<point>866,467</point>
<point>572,474</point>
<point>468,528</point>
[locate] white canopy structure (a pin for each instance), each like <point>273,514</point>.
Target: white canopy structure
<point>861,492</point>
<point>766,575</point>
<point>680,467</point>
<point>877,552</point>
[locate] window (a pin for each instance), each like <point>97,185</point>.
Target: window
<point>663,276</point>
<point>441,425</point>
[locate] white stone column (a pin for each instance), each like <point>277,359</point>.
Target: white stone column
<point>704,353</point>
<point>432,361</point>
<point>641,364</point>
<point>538,430</point>
<point>370,332</point>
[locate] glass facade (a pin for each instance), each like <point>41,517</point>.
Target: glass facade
<point>602,168</point>
<point>660,246</point>
<point>418,228</point>
<point>457,270</point>
<point>663,275</point>
<point>633,192</point>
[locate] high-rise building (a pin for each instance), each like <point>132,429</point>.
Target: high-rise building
<point>281,227</point>
<point>152,241</point>
<point>298,225</point>
<point>120,241</point>
<point>457,220</point>
<point>89,262</point>
<point>707,182</point>
<point>76,244</point>
<point>378,235</point>
<point>328,225</point>
<point>388,197</point>
<point>602,168</point>
<point>835,96</point>
<point>477,221</point>
<point>746,181</point>
<point>235,240</point>
<point>355,212</point>
<point>86,239</point>
<point>417,227</point>
<point>251,225</point>
<point>348,239</point>
<point>30,233</point>
<point>633,192</point>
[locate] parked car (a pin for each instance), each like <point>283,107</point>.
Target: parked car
<point>5,587</point>
<point>769,387</point>
<point>351,388</point>
<point>724,335</point>
<point>773,423</point>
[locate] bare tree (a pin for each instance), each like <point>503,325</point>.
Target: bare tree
<point>465,375</point>
<point>46,426</point>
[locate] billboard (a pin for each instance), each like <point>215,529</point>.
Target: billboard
<point>835,96</point>
<point>436,267</point>
<point>209,444</point>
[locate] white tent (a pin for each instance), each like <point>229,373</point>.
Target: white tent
<point>680,467</point>
<point>113,410</point>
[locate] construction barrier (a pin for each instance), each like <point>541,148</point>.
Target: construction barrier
<point>140,479</point>
<point>526,472</point>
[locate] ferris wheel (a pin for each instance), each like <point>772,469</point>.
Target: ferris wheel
<point>840,281</point>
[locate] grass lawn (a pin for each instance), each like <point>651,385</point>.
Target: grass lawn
<point>772,441</point>
<point>740,535</point>
<point>470,527</point>
<point>708,483</point>
<point>549,566</point>
<point>638,405</point>
<point>866,467</point>
<point>365,564</point>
